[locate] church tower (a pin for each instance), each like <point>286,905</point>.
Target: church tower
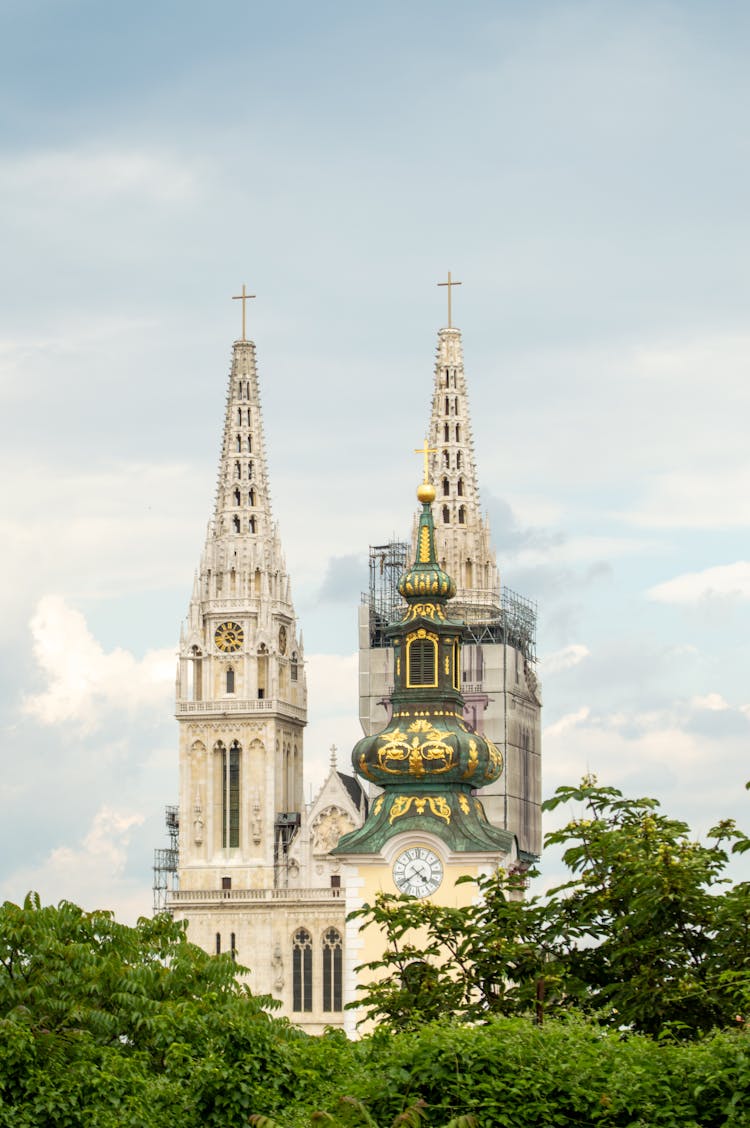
<point>428,826</point>
<point>500,690</point>
<point>241,692</point>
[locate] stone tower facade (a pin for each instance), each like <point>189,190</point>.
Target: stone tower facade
<point>501,693</point>
<point>254,875</point>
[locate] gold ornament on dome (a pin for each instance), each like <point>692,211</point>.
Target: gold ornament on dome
<point>416,754</point>
<point>438,806</point>
<point>426,610</point>
<point>473,763</point>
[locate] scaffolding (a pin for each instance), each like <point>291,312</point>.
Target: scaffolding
<point>387,565</point>
<point>165,862</point>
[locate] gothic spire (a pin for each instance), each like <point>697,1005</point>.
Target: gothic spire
<point>462,532</point>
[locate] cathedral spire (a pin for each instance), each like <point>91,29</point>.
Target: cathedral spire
<point>462,532</point>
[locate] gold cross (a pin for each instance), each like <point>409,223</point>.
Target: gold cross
<point>245,297</point>
<point>449,284</point>
<point>425,450</point>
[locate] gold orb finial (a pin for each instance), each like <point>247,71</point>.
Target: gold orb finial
<point>426,492</point>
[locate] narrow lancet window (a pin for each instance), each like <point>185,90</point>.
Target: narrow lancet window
<point>302,971</point>
<point>332,970</point>
<point>230,795</point>
<point>230,680</point>
<point>446,487</point>
<point>446,515</point>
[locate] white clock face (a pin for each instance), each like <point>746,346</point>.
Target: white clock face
<point>418,872</point>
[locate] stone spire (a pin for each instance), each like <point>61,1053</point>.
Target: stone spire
<point>462,533</point>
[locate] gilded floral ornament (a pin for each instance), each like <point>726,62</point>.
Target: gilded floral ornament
<point>437,805</point>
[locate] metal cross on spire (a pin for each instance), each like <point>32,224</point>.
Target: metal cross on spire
<point>425,451</point>
<point>450,284</point>
<point>245,297</point>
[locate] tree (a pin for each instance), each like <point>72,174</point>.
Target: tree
<point>110,1025</point>
<point>643,934</point>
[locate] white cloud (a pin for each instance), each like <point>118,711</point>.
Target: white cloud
<point>332,683</point>
<point>569,721</point>
<point>714,702</point>
<point>564,659</point>
<point>82,680</point>
<point>98,174</point>
<point>90,873</point>
<point>723,580</point>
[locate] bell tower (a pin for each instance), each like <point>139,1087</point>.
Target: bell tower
<point>241,693</point>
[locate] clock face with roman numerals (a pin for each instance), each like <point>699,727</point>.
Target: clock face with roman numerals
<point>229,637</point>
<point>417,871</point>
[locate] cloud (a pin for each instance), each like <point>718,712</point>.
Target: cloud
<point>564,659</point>
<point>82,680</point>
<point>727,581</point>
<point>98,174</point>
<point>711,701</point>
<point>344,579</point>
<point>567,722</point>
<point>91,873</point>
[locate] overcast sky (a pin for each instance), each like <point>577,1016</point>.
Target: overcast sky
<point>583,168</point>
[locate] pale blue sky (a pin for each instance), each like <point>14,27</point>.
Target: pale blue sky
<point>584,168</point>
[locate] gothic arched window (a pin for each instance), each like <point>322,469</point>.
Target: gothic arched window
<point>249,469</point>
<point>446,433</point>
<point>236,523</point>
<point>461,515</point>
<point>332,977</point>
<point>446,515</point>
<point>249,444</point>
<point>251,524</point>
<point>230,679</point>
<point>239,442</point>
<point>230,793</point>
<point>293,666</point>
<point>447,405</point>
<point>237,497</point>
<point>302,971</point>
<point>446,458</point>
<point>446,487</point>
<point>239,416</point>
<point>458,432</point>
<point>251,497</point>
<point>237,470</point>
<point>218,943</point>
<point>460,487</point>
<point>458,460</point>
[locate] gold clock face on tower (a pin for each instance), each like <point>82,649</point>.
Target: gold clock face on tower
<point>229,637</point>
<point>418,872</point>
<point>282,640</point>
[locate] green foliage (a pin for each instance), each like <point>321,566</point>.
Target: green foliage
<point>105,1025</point>
<point>647,933</point>
<point>486,958</point>
<point>644,934</point>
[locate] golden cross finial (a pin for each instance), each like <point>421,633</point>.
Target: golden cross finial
<point>450,284</point>
<point>245,297</point>
<point>425,450</point>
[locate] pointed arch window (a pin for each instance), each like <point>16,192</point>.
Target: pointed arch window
<point>218,943</point>
<point>230,679</point>
<point>239,416</point>
<point>230,793</point>
<point>446,487</point>
<point>462,515</point>
<point>446,459</point>
<point>458,459</point>
<point>249,443</point>
<point>332,970</point>
<point>446,433</point>
<point>251,497</point>
<point>237,470</point>
<point>446,515</point>
<point>237,497</point>
<point>460,487</point>
<point>447,406</point>
<point>239,442</point>
<point>251,524</point>
<point>302,971</point>
<point>458,432</point>
<point>249,469</point>
<point>294,666</point>
<point>236,524</point>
